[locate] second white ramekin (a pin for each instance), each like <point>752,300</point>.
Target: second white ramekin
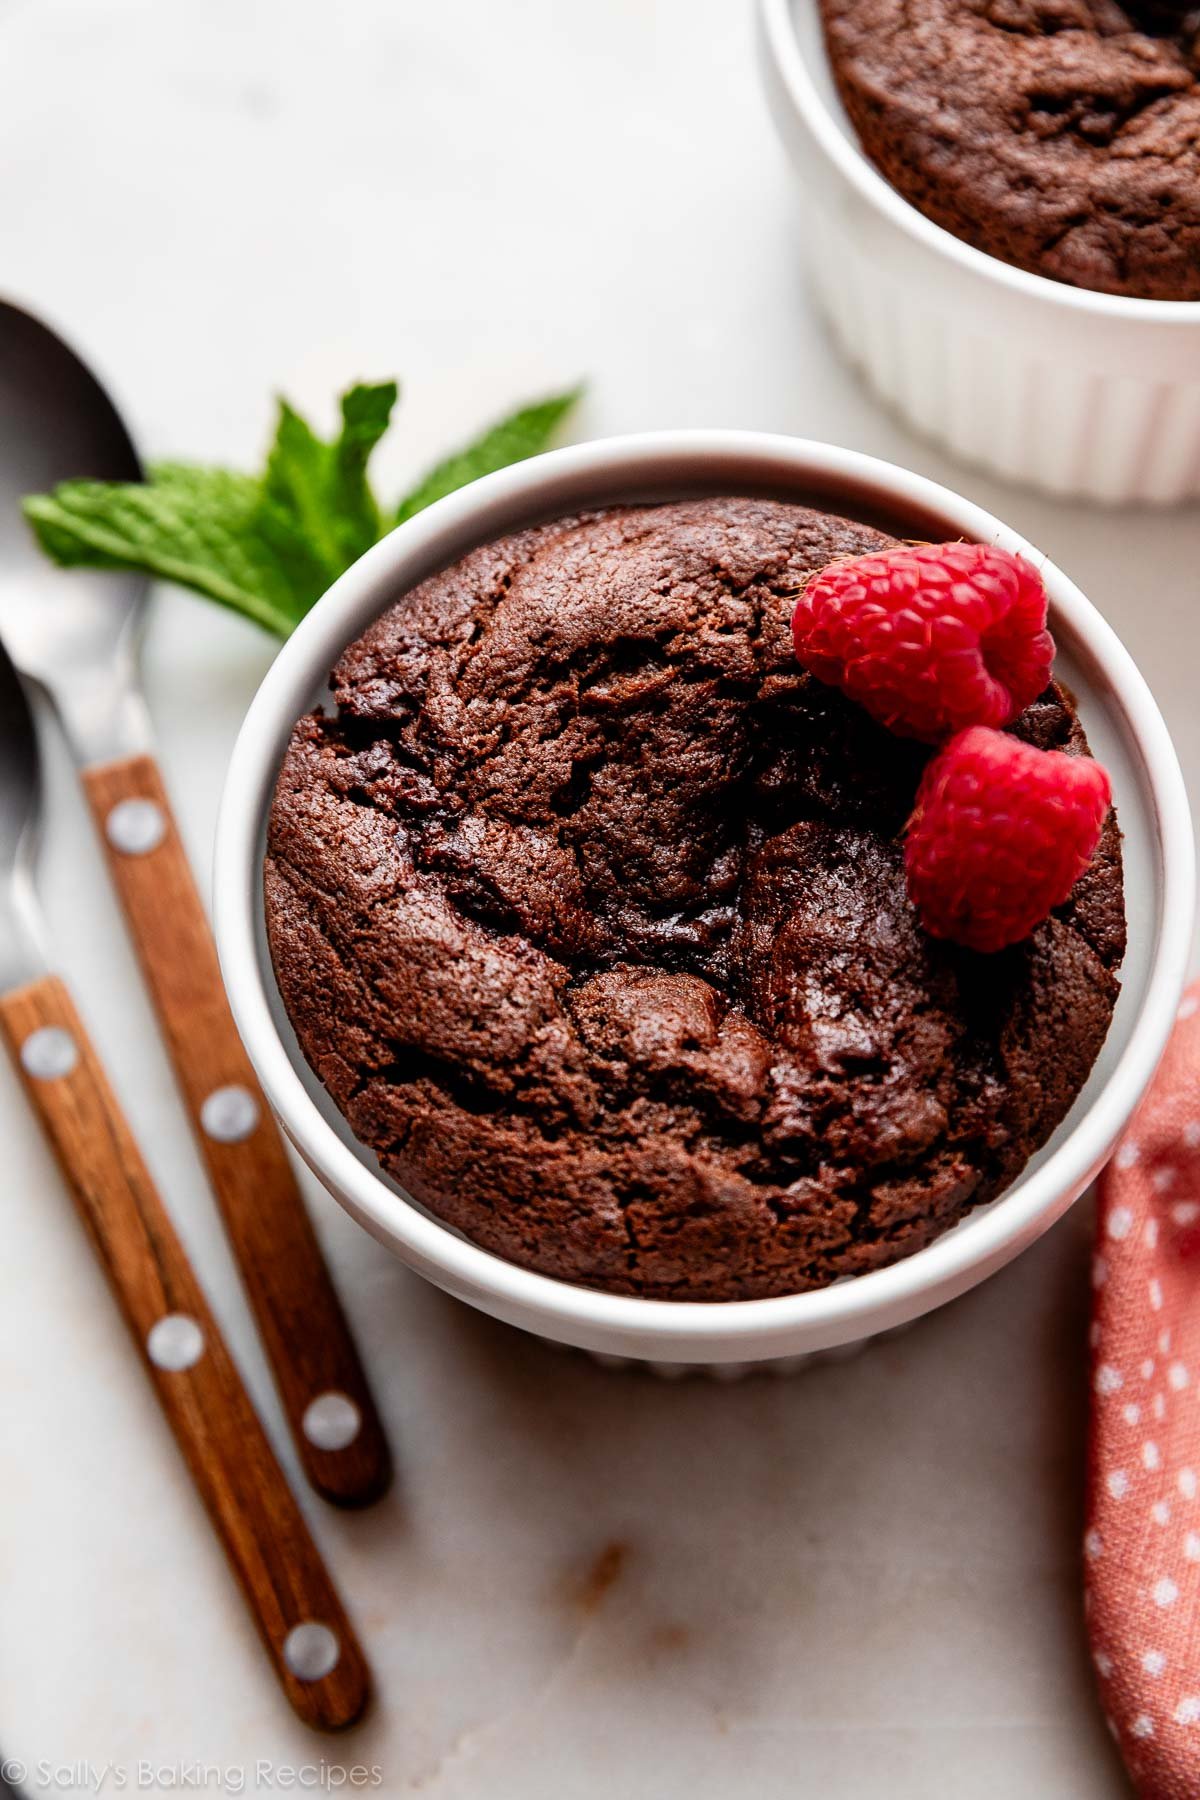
<point>1077,393</point>
<point>1126,732</point>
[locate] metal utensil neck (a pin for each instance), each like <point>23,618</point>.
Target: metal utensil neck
<point>23,947</point>
<point>101,710</point>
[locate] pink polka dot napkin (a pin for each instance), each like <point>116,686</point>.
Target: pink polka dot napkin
<point>1142,1543</point>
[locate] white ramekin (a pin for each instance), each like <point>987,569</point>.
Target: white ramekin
<point>1077,393</point>
<point>1127,732</point>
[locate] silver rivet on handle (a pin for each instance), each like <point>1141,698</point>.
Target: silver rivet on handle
<point>49,1053</point>
<point>331,1421</point>
<point>175,1342</point>
<point>229,1115</point>
<point>311,1651</point>
<point>135,827</point>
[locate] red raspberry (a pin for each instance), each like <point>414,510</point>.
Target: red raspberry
<point>999,835</point>
<point>929,638</point>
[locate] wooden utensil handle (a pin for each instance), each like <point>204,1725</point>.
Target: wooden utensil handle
<point>295,1606</point>
<point>320,1377</point>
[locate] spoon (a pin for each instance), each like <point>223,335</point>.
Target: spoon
<point>310,1641</point>
<point>77,632</point>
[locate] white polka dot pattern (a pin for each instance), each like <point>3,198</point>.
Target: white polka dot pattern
<point>1142,1540</point>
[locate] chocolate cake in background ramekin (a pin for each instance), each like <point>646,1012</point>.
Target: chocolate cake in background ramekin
<point>587,905</point>
<point>1059,135</point>
<point>1064,387</point>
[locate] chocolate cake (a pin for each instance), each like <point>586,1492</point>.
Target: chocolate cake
<point>1059,135</point>
<point>587,905</point>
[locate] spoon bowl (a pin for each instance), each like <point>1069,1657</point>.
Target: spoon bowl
<point>21,931</point>
<point>76,632</point>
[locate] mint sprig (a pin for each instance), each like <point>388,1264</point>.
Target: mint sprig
<point>268,546</point>
<point>522,434</point>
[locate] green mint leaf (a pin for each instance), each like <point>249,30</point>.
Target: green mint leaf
<point>366,414</point>
<point>522,434</point>
<point>207,529</point>
<point>323,487</point>
<point>297,482</point>
<point>269,547</point>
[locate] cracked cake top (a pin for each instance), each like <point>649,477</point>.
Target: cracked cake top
<point>1059,135</point>
<point>587,905</point>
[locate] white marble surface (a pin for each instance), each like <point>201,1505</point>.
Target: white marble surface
<point>862,1580</point>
